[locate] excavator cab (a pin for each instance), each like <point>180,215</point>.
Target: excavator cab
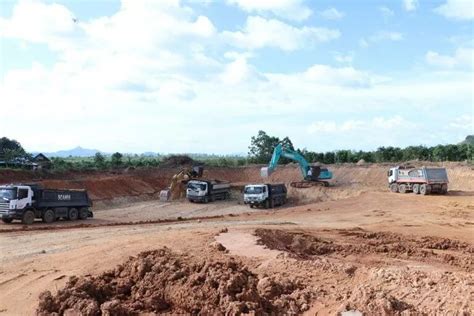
<point>313,173</point>
<point>197,171</point>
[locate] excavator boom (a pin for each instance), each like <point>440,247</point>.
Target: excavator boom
<point>311,175</point>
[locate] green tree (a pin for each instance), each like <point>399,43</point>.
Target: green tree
<point>99,160</point>
<point>262,146</point>
<point>117,159</point>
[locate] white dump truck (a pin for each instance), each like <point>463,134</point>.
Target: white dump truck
<point>207,190</point>
<point>266,195</point>
<point>422,180</point>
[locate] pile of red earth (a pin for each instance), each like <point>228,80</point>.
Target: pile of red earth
<point>178,161</point>
<point>163,282</point>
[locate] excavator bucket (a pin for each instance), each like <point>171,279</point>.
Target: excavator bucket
<point>165,195</point>
<point>265,172</point>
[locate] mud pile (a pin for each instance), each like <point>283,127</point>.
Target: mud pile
<point>178,161</point>
<point>359,242</point>
<point>164,282</point>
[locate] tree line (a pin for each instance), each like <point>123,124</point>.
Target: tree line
<point>12,155</point>
<point>262,145</point>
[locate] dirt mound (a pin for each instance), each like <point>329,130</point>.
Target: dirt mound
<point>306,246</point>
<point>164,282</point>
<point>178,161</point>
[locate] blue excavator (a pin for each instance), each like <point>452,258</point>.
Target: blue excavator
<point>312,175</point>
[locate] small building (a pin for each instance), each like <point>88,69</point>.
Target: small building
<point>40,161</point>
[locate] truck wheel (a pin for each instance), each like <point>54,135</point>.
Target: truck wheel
<point>267,204</point>
<point>206,200</point>
<point>83,213</point>
<point>73,214</point>
<point>49,216</point>
<point>394,188</point>
<point>444,189</point>
<point>7,220</point>
<point>251,205</point>
<point>402,188</point>
<point>28,218</point>
<point>416,188</point>
<point>424,189</point>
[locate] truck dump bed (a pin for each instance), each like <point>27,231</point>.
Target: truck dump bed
<point>436,175</point>
<point>61,198</point>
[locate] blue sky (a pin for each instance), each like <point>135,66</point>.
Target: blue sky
<point>204,76</point>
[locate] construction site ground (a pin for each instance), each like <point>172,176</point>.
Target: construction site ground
<point>352,246</point>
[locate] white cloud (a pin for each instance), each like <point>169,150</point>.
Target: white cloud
<point>343,76</point>
<point>375,125</point>
<point>36,22</point>
<point>239,71</point>
<point>386,12</point>
<point>463,57</point>
<point>288,9</point>
<point>457,9</point>
<point>344,58</point>
<point>385,35</point>
<point>259,32</point>
<point>332,14</point>
<point>410,5</point>
<point>464,123</point>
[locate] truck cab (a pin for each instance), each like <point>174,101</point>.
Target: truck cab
<point>392,175</point>
<point>197,189</point>
<point>14,198</point>
<point>255,193</point>
<point>266,195</point>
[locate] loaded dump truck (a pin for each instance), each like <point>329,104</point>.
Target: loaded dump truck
<point>27,202</point>
<point>207,190</point>
<point>266,195</point>
<point>418,180</point>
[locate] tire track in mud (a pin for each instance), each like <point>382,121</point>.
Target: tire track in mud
<point>113,224</point>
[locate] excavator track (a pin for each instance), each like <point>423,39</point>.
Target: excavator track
<point>308,184</point>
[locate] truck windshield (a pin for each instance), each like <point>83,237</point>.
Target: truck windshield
<point>253,190</point>
<point>197,186</point>
<point>8,194</point>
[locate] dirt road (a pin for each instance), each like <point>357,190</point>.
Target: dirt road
<point>372,252</point>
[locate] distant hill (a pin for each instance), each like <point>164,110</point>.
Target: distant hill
<point>469,140</point>
<point>75,152</point>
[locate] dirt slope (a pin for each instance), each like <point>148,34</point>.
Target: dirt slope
<point>349,180</point>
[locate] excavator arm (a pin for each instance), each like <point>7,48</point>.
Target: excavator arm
<point>279,152</point>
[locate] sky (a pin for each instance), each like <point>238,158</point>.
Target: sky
<point>204,76</point>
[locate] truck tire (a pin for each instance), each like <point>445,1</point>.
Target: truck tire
<point>83,213</point>
<point>425,189</point>
<point>394,188</point>
<point>251,205</point>
<point>73,214</point>
<point>205,200</point>
<point>267,204</point>
<point>444,189</point>
<point>7,220</point>
<point>416,188</point>
<point>28,218</point>
<point>402,188</point>
<point>49,216</point>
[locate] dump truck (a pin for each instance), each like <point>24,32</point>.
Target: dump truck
<point>207,190</point>
<point>26,202</point>
<point>422,180</point>
<point>265,195</point>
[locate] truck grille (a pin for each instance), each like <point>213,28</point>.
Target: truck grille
<point>4,207</point>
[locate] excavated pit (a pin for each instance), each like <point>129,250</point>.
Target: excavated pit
<point>301,245</point>
<point>163,282</point>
